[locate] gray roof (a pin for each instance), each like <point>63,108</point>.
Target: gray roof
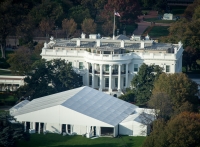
<point>122,37</point>
<point>20,104</point>
<point>87,101</point>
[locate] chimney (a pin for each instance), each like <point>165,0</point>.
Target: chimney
<point>175,50</point>
<point>78,42</point>
<point>122,43</point>
<point>142,44</point>
<point>83,36</point>
<point>98,42</point>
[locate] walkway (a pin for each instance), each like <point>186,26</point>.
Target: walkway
<point>142,25</point>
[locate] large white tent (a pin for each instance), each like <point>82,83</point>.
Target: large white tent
<point>80,111</point>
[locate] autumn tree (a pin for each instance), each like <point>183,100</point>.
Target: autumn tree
<point>89,26</point>
<point>46,25</point>
<point>143,82</point>
<point>129,10</point>
<point>162,105</point>
<point>107,28</point>
<point>49,77</point>
<point>69,26</point>
<point>180,89</point>
<point>182,130</point>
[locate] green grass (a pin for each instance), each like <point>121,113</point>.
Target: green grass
<point>7,99</point>
<point>56,140</point>
<point>158,31</point>
<point>156,20</point>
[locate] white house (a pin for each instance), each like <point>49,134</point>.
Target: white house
<point>109,65</point>
<point>83,111</point>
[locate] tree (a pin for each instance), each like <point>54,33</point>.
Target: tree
<point>10,17</point>
<point>79,13</point>
<point>182,130</point>
<point>129,10</point>
<point>162,105</point>
<point>128,96</point>
<point>11,133</point>
<point>89,26</point>
<point>48,77</point>
<point>46,25</point>
<point>69,26</point>
<point>180,89</point>
<point>107,28</point>
<point>48,9</point>
<point>20,61</point>
<point>143,82</point>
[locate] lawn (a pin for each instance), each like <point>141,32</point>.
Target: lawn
<point>56,140</point>
<point>7,99</point>
<point>158,31</point>
<point>156,20</point>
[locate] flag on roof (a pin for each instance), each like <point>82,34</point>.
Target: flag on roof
<point>117,14</point>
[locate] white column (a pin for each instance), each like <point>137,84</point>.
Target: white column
<point>38,128</point>
<point>92,75</point>
<point>126,75</point>
<point>110,78</point>
<point>33,125</point>
<point>60,128</point>
<point>119,77</point>
<point>101,77</point>
<point>24,126</point>
<point>88,73</point>
<point>44,128</point>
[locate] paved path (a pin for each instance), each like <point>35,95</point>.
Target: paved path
<point>142,25</point>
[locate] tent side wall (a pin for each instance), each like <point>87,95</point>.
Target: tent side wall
<point>55,117</point>
<point>133,128</point>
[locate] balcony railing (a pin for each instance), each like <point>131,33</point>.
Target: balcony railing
<point>114,72</point>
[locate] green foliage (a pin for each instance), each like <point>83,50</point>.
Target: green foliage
<point>48,77</point>
<point>57,140</point>
<point>181,131</point>
<point>180,89</point>
<point>128,96</point>
<point>79,13</point>
<point>10,133</point>
<point>143,82</point>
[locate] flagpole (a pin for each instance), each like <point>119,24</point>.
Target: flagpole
<point>114,26</point>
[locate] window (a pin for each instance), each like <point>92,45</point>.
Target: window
<point>106,67</point>
<point>116,82</point>
<point>69,128</point>
<point>167,68</point>
<point>106,82</point>
<point>135,67</point>
<point>98,81</point>
<point>80,65</point>
<point>124,81</point>
<point>124,67</point>
<point>90,80</point>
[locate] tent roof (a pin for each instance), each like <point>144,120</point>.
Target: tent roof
<point>87,101</point>
<point>20,104</point>
<point>141,115</point>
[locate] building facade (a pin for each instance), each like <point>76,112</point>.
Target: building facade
<point>109,65</point>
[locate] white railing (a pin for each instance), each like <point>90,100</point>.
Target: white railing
<point>109,57</point>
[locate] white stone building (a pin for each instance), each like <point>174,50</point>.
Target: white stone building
<point>83,111</point>
<point>109,65</point>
